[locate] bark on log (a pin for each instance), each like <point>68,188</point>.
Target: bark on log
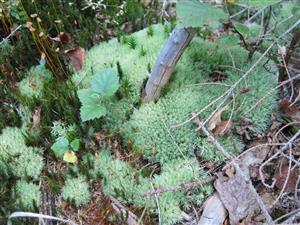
<point>166,62</point>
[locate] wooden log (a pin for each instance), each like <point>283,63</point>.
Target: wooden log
<point>166,62</point>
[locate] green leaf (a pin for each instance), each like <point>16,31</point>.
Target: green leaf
<point>88,97</point>
<point>75,144</point>
<point>193,13</point>
<point>106,82</point>
<point>89,112</point>
<point>257,3</point>
<point>60,146</point>
<point>228,40</point>
<point>70,157</point>
<point>242,28</point>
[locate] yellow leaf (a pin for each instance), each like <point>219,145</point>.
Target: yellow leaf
<point>231,1</point>
<point>70,157</point>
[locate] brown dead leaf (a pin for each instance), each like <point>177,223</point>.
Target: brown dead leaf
<point>36,118</point>
<point>216,118</point>
<point>223,127</point>
<point>237,197</point>
<point>281,175</point>
<point>287,108</point>
<point>76,57</point>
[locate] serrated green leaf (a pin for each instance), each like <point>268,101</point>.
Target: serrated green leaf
<point>257,3</point>
<point>193,13</point>
<point>70,157</point>
<point>75,144</point>
<point>60,146</point>
<point>242,28</point>
<point>88,97</point>
<point>228,40</point>
<point>90,112</point>
<point>105,82</point>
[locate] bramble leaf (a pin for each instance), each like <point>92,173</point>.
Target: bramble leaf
<point>75,144</point>
<point>105,82</point>
<point>195,14</point>
<point>88,97</point>
<point>89,112</point>
<point>60,146</point>
<point>258,3</point>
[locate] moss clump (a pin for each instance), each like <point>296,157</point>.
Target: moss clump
<point>32,86</point>
<point>127,184</point>
<point>76,190</point>
<point>16,158</point>
<point>133,66</point>
<point>150,127</point>
<point>27,195</point>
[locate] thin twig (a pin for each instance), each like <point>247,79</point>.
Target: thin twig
<point>226,94</point>
<point>179,187</point>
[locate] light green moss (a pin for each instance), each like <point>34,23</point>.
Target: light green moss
<point>16,158</point>
<point>76,190</point>
<point>134,66</point>
<point>27,195</point>
<point>127,184</point>
<point>150,127</point>
<point>28,164</point>
<point>118,178</point>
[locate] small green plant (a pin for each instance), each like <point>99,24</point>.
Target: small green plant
<point>27,195</point>
<point>150,31</point>
<point>143,51</point>
<point>132,42</point>
<point>66,143</point>
<point>76,190</point>
<point>103,85</point>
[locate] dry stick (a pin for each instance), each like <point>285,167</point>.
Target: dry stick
<point>289,75</point>
<point>270,92</point>
<point>294,42</point>
<point>230,90</point>
<point>215,142</point>
<point>286,179</point>
<point>179,187</point>
<point>157,203</point>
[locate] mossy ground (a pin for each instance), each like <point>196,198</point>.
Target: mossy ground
<point>149,127</point>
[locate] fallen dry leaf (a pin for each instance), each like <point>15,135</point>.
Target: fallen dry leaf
<point>289,110</point>
<point>281,174</point>
<point>36,118</point>
<point>216,118</point>
<point>223,128</point>
<point>76,57</point>
<point>237,197</point>
<point>214,211</point>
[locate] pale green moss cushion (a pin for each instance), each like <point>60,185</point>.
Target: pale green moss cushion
<point>149,127</point>
<point>16,158</point>
<point>27,195</point>
<point>76,190</point>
